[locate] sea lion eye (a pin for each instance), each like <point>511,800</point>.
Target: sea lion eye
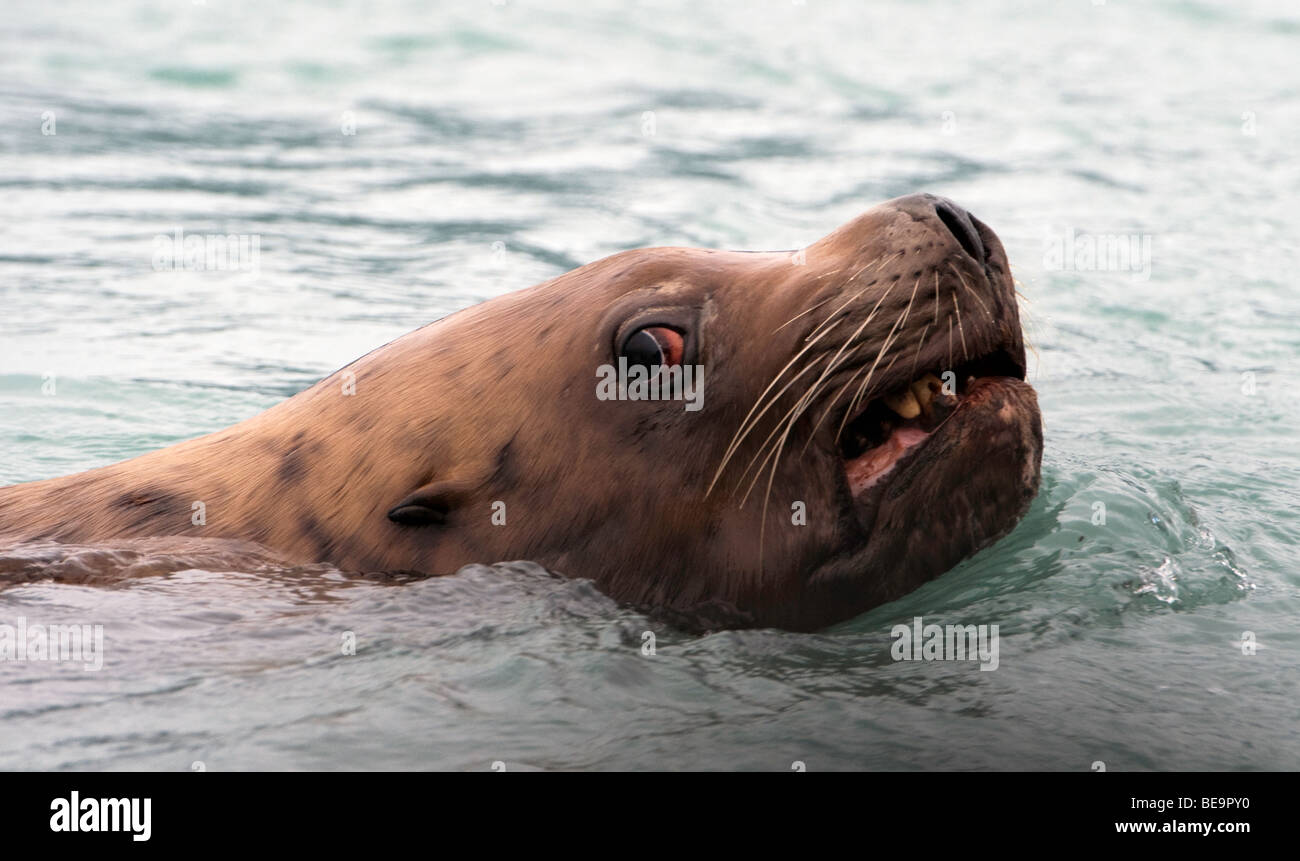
<point>654,345</point>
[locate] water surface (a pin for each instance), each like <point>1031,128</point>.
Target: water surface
<point>496,146</point>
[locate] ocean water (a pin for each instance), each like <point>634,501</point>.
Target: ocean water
<point>399,161</point>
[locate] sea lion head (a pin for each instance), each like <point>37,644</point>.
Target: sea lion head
<point>860,425</point>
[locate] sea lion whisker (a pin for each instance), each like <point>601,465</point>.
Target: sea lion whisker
<point>835,398</point>
<point>791,416</point>
<point>962,278</point>
<point>809,396</point>
<point>832,315</point>
<point>853,403</point>
<point>889,339</point>
<point>875,264</point>
<point>936,298</point>
<point>835,364</point>
<point>856,332</point>
<point>787,421</point>
<point>919,344</point>
<point>870,370</point>
<point>965,354</point>
<point>898,322</point>
<point>830,406</point>
<point>807,310</point>
<point>775,451</point>
<point>908,309</point>
<point>766,450</point>
<point>857,396</point>
<point>731,450</point>
<point>878,261</point>
<point>746,426</point>
<point>813,397</point>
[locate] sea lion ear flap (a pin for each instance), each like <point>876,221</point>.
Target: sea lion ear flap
<point>429,505</point>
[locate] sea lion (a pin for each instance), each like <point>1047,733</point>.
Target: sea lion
<point>864,425</point>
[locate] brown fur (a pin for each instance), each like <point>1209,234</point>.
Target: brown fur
<point>497,403</point>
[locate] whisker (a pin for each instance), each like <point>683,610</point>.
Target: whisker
<point>835,362</point>
<point>878,261</point>
<point>790,416</point>
<point>964,354</point>
<point>950,342</point>
<point>972,292</point>
<point>857,396</point>
<point>750,420</point>
<point>919,345</point>
<point>908,309</point>
<point>773,446</point>
<point>892,329</point>
<point>774,451</point>
<point>832,315</point>
<point>852,338</point>
<point>1016,284</point>
<point>862,326</point>
<point>747,426</point>
<point>936,298</point>
<point>808,310</point>
<point>798,409</point>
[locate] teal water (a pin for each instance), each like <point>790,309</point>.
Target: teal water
<point>498,145</point>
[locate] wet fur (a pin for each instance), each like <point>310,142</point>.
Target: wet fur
<point>497,403</point>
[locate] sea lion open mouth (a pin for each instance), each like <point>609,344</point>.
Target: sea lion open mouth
<point>860,423</point>
<point>890,429</point>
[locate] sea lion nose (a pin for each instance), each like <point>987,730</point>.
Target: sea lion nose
<point>925,207</point>
<point>958,222</point>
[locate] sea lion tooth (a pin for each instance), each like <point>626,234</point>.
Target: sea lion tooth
<point>904,403</point>
<point>923,389</point>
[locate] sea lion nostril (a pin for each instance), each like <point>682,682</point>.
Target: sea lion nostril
<point>958,223</point>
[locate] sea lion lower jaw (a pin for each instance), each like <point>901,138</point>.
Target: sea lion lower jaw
<point>861,424</point>
<point>949,493</point>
